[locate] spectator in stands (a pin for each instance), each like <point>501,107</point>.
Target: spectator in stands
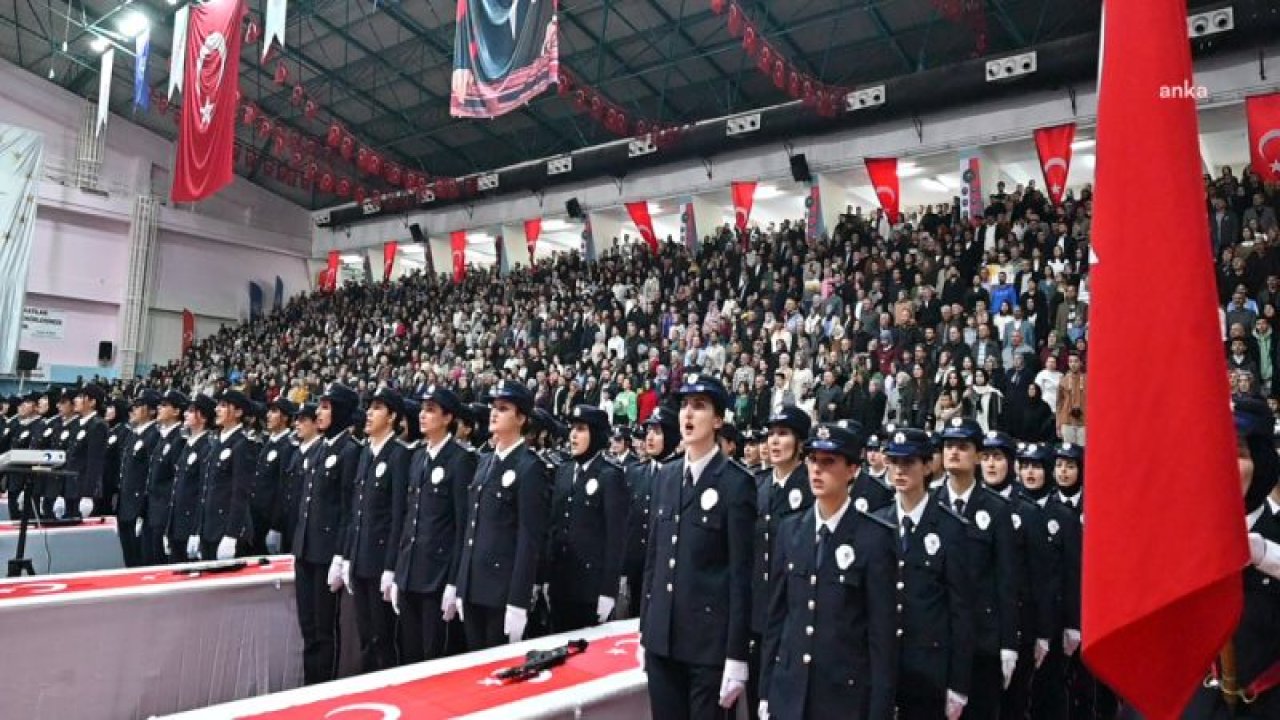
<point>1071,402</point>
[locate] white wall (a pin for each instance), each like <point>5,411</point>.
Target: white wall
<point>1228,80</point>
<point>206,253</point>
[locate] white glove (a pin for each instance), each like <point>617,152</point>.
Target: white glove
<point>385,583</point>
<point>604,608</point>
<point>1070,641</point>
<point>59,507</point>
<point>733,683</point>
<point>1042,651</point>
<point>335,574</point>
<point>1008,661</point>
<point>639,653</point>
<point>86,507</point>
<point>168,551</point>
<point>513,624</point>
<point>346,577</point>
<point>273,541</point>
<point>955,704</point>
<point>394,599</point>
<point>763,711</point>
<point>137,527</point>
<point>193,547</point>
<point>449,605</point>
<point>227,548</point>
<point>22,498</point>
<point>1263,555</point>
<point>545,589</point>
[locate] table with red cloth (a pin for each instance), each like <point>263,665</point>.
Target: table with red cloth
<point>137,643</point>
<point>604,681</point>
<point>89,545</point>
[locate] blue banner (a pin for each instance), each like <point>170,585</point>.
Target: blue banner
<point>255,301</point>
<point>142,53</point>
<point>279,298</point>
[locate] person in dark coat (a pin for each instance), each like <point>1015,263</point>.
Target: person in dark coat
<point>662,436</point>
<point>993,562</point>
<point>116,413</point>
<point>425,592</point>
<point>323,514</point>
<point>306,444</point>
<point>269,477</point>
<point>1038,422</point>
<point>587,534</point>
<point>935,587</point>
<point>830,648</point>
<point>185,502</point>
<point>134,465</point>
<point>781,491</point>
<point>373,535</point>
<point>508,504</point>
<point>224,527</point>
<point>695,618</point>
<point>871,489</point>
<point>161,473</point>
<point>86,452</point>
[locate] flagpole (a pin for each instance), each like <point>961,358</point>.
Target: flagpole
<point>1227,683</point>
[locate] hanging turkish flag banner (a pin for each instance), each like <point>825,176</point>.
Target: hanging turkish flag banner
<point>1152,628</point>
<point>884,178</point>
<point>331,273</point>
<point>744,194</point>
<point>188,330</point>
<point>1053,145</point>
<point>639,212</point>
<point>210,92</point>
<point>1264,135</point>
<point>458,244</point>
<point>532,229</point>
<point>388,258</point>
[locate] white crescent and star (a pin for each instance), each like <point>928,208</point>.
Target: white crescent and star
<point>389,712</point>
<point>1055,162</point>
<point>886,190</point>
<point>214,46</point>
<point>1268,136</point>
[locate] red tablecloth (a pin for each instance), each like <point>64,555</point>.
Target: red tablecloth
<point>448,688</point>
<point>73,586</point>
<point>10,527</point>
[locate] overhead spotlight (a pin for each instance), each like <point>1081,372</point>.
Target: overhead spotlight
<point>864,98</point>
<point>1011,67</point>
<point>426,195</point>
<point>742,124</point>
<point>133,23</point>
<point>371,206</point>
<point>640,146</point>
<point>1211,22</point>
<point>321,218</point>
<point>488,181</point>
<point>98,44</point>
<point>560,165</point>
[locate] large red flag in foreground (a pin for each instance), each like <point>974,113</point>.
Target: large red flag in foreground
<point>458,248</point>
<point>1053,145</point>
<point>744,194</point>
<point>329,278</point>
<point>1264,135</point>
<point>532,229</point>
<point>1164,543</point>
<point>884,178</point>
<point>389,250</point>
<point>639,212</point>
<point>210,97</point>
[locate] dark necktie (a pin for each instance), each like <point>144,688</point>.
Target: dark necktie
<point>959,506</point>
<point>686,490</point>
<point>824,534</point>
<point>907,526</point>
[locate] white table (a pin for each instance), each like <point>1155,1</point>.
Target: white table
<point>136,643</point>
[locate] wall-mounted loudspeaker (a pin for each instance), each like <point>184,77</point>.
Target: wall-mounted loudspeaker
<point>106,351</point>
<point>800,169</point>
<point>416,231</point>
<point>27,360</point>
<point>574,208</point>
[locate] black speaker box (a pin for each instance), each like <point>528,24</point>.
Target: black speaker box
<point>106,351</point>
<point>800,169</point>
<point>416,231</point>
<point>574,208</point>
<point>27,360</point>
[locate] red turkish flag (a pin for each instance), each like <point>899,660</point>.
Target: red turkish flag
<point>743,195</point>
<point>532,229</point>
<point>207,128</point>
<point>188,330</point>
<point>1164,543</point>
<point>884,178</point>
<point>1053,145</point>
<point>1264,135</point>
<point>639,212</point>
<point>388,258</point>
<point>331,273</point>
<point>458,243</point>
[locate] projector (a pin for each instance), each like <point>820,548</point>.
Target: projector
<point>29,459</point>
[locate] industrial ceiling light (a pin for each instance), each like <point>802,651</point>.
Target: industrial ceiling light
<point>98,44</point>
<point>133,23</point>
